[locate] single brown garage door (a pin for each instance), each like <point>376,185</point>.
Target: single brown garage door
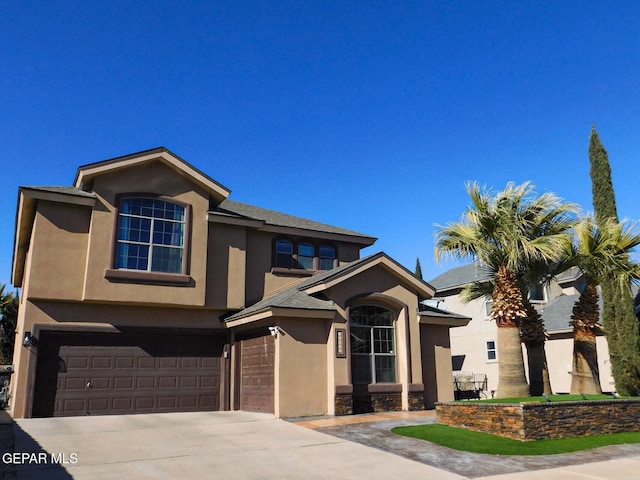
<point>101,374</point>
<point>257,366</point>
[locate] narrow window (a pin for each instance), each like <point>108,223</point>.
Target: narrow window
<point>327,256</point>
<point>150,235</point>
<point>305,255</point>
<point>488,305</point>
<point>538,294</point>
<point>492,353</point>
<point>284,253</point>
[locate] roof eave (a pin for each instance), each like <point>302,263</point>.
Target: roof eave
<point>269,312</point>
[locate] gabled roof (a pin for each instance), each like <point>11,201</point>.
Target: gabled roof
<point>264,219</point>
<point>305,295</point>
<point>557,313</point>
<point>458,277</point>
<point>86,173</point>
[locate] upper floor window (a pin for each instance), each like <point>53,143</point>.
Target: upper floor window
<point>327,256</point>
<point>150,235</point>
<point>306,252</point>
<point>284,254</point>
<point>304,255</point>
<point>492,351</point>
<point>538,294</point>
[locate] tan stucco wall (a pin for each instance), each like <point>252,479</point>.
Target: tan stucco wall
<point>58,251</point>
<point>152,178</point>
<point>436,364</point>
<point>226,266</point>
<point>301,367</point>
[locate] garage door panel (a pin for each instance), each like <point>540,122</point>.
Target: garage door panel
<point>257,364</point>
<point>118,373</point>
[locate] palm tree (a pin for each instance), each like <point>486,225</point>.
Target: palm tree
<point>601,252</point>
<point>8,317</point>
<point>507,232</point>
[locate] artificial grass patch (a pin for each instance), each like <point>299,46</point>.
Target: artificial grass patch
<point>553,398</point>
<point>478,442</point>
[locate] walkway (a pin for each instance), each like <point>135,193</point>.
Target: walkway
<point>616,462</point>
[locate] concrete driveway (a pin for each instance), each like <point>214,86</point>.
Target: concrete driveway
<point>243,445</point>
<point>221,445</point>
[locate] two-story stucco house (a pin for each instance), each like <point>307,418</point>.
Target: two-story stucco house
<point>474,346</point>
<point>145,289</point>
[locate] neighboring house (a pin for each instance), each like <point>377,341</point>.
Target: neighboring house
<point>145,289</point>
<point>474,347</point>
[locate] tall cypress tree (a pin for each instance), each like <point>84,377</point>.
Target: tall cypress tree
<point>618,315</point>
<point>418,268</point>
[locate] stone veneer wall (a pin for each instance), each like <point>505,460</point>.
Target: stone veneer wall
<point>376,398</point>
<point>534,421</point>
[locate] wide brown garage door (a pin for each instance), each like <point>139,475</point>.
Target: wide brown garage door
<point>257,366</point>
<point>100,374</point>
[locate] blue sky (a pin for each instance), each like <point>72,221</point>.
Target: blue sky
<point>366,115</point>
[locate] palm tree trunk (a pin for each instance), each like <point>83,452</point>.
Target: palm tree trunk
<point>539,382</point>
<point>585,374</point>
<point>534,336</point>
<point>507,311</point>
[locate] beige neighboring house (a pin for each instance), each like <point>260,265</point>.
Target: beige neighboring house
<point>474,347</point>
<point>146,289</point>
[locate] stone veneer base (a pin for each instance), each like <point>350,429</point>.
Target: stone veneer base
<point>535,421</point>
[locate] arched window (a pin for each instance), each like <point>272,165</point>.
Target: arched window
<point>327,256</point>
<point>150,235</point>
<point>373,356</point>
<point>284,253</point>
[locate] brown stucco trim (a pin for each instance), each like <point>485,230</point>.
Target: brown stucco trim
<point>416,387</point>
<point>135,276</point>
<point>344,389</point>
<point>283,312</point>
<point>384,388</point>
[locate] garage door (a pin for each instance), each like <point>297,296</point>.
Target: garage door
<point>257,366</point>
<point>100,374</point>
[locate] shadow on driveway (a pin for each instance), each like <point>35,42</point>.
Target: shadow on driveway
<point>21,457</point>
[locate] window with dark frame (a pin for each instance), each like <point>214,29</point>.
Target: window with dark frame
<point>150,235</point>
<point>303,255</point>
<point>492,352</point>
<point>327,257</point>
<point>306,253</point>
<point>284,254</point>
<point>372,332</point>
